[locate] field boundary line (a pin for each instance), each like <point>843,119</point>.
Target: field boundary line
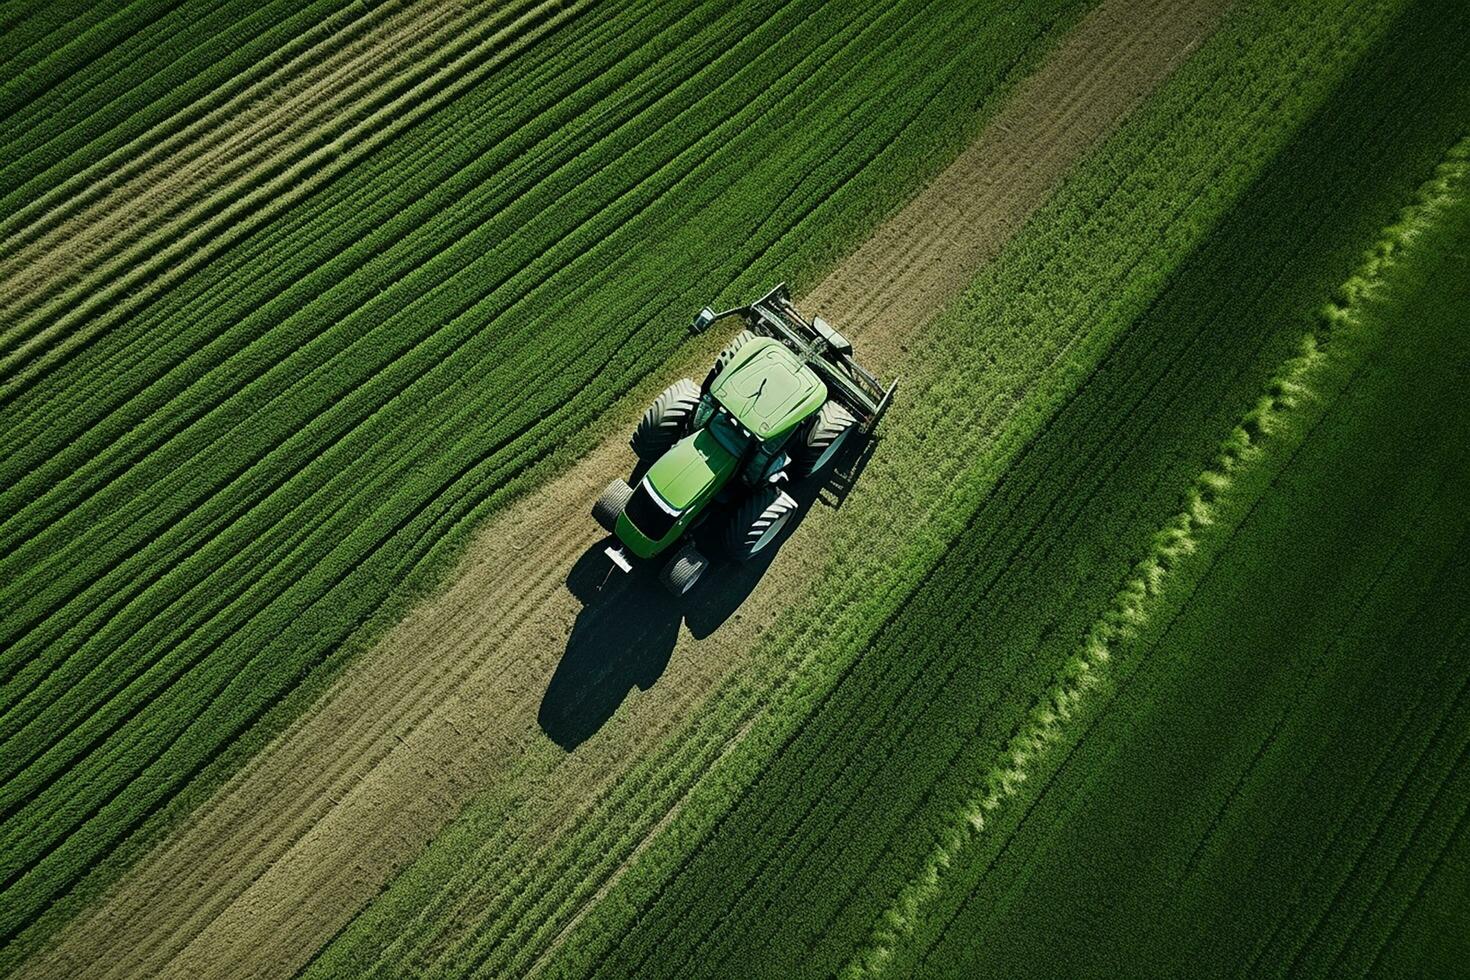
<point>1172,544</point>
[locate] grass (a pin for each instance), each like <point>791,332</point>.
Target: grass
<point>231,470</point>
<point>781,856</point>
<point>255,423</point>
<point>113,88</point>
<point>1277,760</point>
<point>836,816</point>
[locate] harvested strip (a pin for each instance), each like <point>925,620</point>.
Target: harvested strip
<point>790,845</point>
<point>415,715</point>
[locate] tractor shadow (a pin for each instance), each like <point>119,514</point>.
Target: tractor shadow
<point>626,631</point>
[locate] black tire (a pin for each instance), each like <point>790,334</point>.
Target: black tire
<point>723,361</point>
<point>757,522</point>
<point>667,420</point>
<point>683,570</point>
<point>824,437</point>
<point>609,506</point>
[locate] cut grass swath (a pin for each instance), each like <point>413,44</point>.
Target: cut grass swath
<point>219,489</point>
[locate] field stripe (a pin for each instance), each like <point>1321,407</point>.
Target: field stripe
<point>523,915</point>
<point>1455,839</point>
<point>163,258</point>
<point>155,190</point>
<point>1050,864</point>
<point>296,63</point>
<point>472,609</point>
<point>41,572</point>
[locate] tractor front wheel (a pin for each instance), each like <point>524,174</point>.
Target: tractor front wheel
<point>823,439</point>
<point>609,506</point>
<point>683,570</point>
<point>757,522</point>
<point>667,420</point>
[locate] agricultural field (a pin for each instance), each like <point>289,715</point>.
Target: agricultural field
<point>1132,642</point>
<point>1322,783</point>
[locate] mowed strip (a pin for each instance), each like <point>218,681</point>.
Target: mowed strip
<point>446,706</point>
<point>218,502</point>
<point>783,857</point>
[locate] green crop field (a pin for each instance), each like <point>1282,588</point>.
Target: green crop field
<point>1133,642</point>
<point>1314,653</point>
<point>210,494</point>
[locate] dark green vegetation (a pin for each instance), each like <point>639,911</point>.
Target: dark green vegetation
<point>215,482</point>
<point>798,870</point>
<point>1279,777</point>
<point>1124,334</point>
<point>247,422</point>
<point>82,81</point>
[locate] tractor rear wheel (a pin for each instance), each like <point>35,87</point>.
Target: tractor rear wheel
<point>823,439</point>
<point>667,420</point>
<point>683,570</point>
<point>727,355</point>
<point>756,522</point>
<point>609,506</point>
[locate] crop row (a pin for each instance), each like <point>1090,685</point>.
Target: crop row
<point>290,441</point>
<point>124,678</point>
<point>810,804</point>
<point>187,220</point>
<point>305,277</point>
<point>524,910</point>
<point>1372,821</point>
<point>143,91</point>
<point>125,675</point>
<point>143,186</point>
<point>1281,766</point>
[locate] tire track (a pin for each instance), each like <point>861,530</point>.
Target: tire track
<point>446,705</point>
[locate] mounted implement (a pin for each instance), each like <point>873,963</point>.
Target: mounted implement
<point>781,400</point>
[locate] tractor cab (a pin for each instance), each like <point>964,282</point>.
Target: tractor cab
<point>756,401</point>
<point>767,390</point>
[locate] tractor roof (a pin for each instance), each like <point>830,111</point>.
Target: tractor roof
<point>768,389</point>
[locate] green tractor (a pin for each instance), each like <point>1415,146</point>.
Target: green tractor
<point>781,400</point>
